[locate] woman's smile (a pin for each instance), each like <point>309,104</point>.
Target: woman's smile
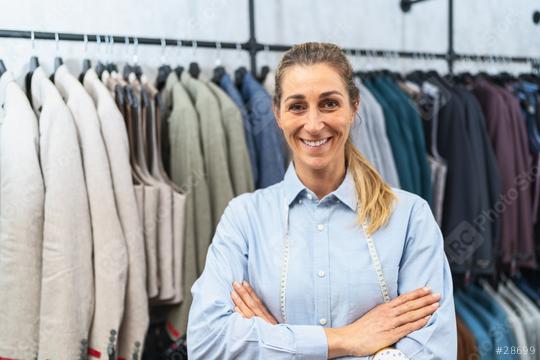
<point>316,145</point>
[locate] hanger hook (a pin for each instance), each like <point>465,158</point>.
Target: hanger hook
<point>56,42</point>
<point>163,48</point>
<point>267,54</point>
<point>33,39</point>
<point>126,44</point>
<point>85,45</point>
<point>110,42</point>
<point>135,50</point>
<point>98,43</point>
<point>194,47</point>
<point>239,49</point>
<point>218,49</point>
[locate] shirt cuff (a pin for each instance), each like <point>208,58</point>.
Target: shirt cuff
<point>409,347</point>
<point>311,342</point>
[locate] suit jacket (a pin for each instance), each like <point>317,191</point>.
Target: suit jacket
<point>228,86</point>
<point>67,287</point>
<point>161,222</point>
<point>135,320</point>
<point>237,152</point>
<point>157,170</point>
<point>149,204</point>
<point>402,156</point>
<point>188,172</point>
<point>506,132</point>
<point>21,220</point>
<point>110,251</point>
<point>214,147</point>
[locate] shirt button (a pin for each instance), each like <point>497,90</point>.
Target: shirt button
<point>321,273</point>
<point>322,321</point>
<point>309,196</point>
<point>300,201</point>
<point>320,227</point>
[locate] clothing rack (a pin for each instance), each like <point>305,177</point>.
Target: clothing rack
<point>253,46</point>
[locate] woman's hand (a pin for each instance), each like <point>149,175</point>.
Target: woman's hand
<point>248,304</point>
<point>383,325</point>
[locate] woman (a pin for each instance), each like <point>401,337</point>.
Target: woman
<point>306,268</point>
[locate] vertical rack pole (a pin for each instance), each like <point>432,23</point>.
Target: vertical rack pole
<point>252,42</point>
<point>451,53</point>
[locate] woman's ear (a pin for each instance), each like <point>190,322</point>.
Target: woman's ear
<point>356,107</point>
<point>275,110</point>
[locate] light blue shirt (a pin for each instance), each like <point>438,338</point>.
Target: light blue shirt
<point>330,279</point>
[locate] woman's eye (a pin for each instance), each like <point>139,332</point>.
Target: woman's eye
<point>330,104</point>
<point>296,107</point>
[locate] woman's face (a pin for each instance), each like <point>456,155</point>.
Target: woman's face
<point>315,115</point>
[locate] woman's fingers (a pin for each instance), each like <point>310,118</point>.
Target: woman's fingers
<point>411,295</point>
<point>415,315</point>
<point>249,303</point>
<point>408,328</point>
<point>239,302</point>
<point>418,303</point>
<point>259,303</point>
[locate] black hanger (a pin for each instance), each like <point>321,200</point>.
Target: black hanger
<point>100,68</point>
<point>111,67</point>
<point>2,67</point>
<point>34,64</point>
<point>239,76</point>
<point>137,69</point>
<point>128,69</point>
<point>194,70</point>
<point>163,74</point>
<point>219,71</point>
<point>58,62</point>
<point>264,73</point>
<point>86,65</point>
<point>178,70</point>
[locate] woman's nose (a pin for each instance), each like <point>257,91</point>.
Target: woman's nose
<point>314,121</point>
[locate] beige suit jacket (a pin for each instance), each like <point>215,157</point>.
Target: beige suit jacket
<point>21,222</point>
<point>135,320</point>
<point>110,251</point>
<point>67,290</point>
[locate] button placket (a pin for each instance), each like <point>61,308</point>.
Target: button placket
<point>321,265</point>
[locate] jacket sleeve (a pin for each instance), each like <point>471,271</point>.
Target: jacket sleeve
<point>215,331</point>
<point>424,263</point>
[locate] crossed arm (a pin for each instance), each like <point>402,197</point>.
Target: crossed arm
<point>379,328</point>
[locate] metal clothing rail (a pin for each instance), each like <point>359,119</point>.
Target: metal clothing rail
<point>253,46</point>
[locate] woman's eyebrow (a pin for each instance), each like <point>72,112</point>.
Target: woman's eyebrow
<point>324,94</point>
<point>328,93</point>
<point>296,96</point>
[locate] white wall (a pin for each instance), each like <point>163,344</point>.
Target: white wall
<point>501,27</point>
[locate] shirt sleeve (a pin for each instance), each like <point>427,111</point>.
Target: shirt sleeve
<point>424,263</point>
<point>215,331</point>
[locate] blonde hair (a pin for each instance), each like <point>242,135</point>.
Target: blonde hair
<point>375,197</point>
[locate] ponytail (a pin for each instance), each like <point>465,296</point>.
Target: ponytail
<point>375,197</point>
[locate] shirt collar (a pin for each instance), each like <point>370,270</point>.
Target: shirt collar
<point>346,192</point>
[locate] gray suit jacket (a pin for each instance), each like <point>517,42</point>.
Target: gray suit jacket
<point>110,251</point>
<point>214,146</point>
<point>237,152</point>
<point>187,167</point>
<point>21,222</point>
<point>135,320</point>
<point>67,290</point>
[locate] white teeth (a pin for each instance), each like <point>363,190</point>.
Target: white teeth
<point>315,143</point>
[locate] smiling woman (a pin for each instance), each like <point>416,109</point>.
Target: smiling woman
<point>332,261</point>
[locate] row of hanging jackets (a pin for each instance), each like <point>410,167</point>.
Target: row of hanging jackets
<point>501,321</point>
<point>470,148</point>
<point>71,249</point>
<point>122,187</point>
